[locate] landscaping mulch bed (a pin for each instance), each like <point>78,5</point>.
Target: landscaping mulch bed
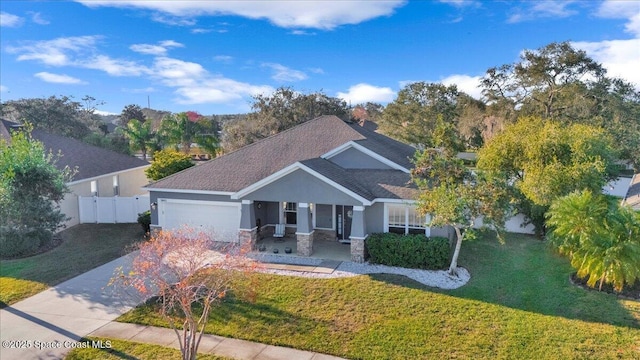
<point>628,292</point>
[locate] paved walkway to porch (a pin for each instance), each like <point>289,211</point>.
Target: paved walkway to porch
<point>325,267</point>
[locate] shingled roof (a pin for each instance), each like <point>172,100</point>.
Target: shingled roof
<point>89,160</point>
<point>304,143</point>
<point>633,194</point>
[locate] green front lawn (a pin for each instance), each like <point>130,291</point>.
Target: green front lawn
<point>84,247</point>
<point>519,304</point>
<point>121,349</point>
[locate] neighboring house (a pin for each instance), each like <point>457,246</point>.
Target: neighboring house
<point>100,172</point>
<point>633,194</point>
<point>325,179</point>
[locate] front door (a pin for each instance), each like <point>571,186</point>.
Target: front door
<point>344,214</point>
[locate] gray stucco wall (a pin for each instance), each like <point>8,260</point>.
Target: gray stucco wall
<point>300,186</point>
<point>356,159</point>
<point>374,218</point>
<point>155,195</point>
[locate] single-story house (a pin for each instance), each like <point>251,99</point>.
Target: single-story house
<point>99,172</point>
<point>325,179</point>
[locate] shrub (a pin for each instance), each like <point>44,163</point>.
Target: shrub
<point>21,241</point>
<point>410,251</point>
<point>167,162</point>
<point>144,219</point>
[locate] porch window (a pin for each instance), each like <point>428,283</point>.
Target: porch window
<point>290,213</point>
<point>405,220</point>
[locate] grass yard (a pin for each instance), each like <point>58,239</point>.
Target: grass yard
<point>518,305</point>
<point>121,349</point>
<point>84,247</point>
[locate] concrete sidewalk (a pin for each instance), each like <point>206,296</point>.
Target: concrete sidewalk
<point>48,325</point>
<point>210,344</point>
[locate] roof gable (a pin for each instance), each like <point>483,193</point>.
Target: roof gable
<point>357,151</point>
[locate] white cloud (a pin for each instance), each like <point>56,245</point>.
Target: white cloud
<point>223,58</point>
<point>78,51</point>
<point>4,88</point>
<point>148,49</point>
<point>461,3</point>
<point>465,83</point>
<point>170,20</point>
<point>10,20</point>
<point>160,49</point>
<point>58,78</point>
<point>287,14</point>
<point>191,82</point>
<point>219,90</point>
<point>55,52</point>
<point>105,113</point>
<point>200,31</point>
<point>170,44</point>
<point>316,70</point>
<point>178,73</point>
<point>542,9</point>
<point>37,18</point>
<point>629,10</point>
<point>363,93</point>
<point>114,67</point>
<point>619,57</point>
<point>285,74</point>
<point>140,91</point>
<point>301,32</point>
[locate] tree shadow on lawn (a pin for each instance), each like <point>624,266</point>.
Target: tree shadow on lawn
<point>252,321</point>
<point>525,274</point>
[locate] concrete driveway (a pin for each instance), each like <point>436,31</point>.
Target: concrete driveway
<point>50,324</point>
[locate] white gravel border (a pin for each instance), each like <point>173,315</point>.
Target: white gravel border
<point>434,278</point>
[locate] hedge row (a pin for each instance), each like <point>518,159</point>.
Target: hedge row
<point>409,251</point>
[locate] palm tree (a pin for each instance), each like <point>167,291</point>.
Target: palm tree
<point>185,128</point>
<point>600,237</point>
<point>141,137</point>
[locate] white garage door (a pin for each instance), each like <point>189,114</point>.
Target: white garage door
<point>223,219</point>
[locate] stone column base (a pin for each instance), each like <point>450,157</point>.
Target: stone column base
<point>304,244</point>
<point>357,250</point>
<point>248,238</point>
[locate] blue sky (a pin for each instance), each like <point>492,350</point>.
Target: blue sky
<point>212,56</point>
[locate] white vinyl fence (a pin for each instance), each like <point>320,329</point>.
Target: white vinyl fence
<point>111,210</point>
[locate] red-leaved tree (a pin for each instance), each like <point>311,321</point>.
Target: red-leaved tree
<point>189,272</point>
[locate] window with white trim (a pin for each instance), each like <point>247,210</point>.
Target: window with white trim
<point>290,213</point>
<point>116,186</point>
<point>94,188</point>
<point>404,219</point>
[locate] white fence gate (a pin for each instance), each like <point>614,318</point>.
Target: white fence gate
<point>111,210</point>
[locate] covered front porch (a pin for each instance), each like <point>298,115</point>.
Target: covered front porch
<point>326,231</point>
<point>322,249</point>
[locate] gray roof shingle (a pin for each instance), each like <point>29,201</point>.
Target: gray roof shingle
<point>90,161</point>
<point>245,166</point>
